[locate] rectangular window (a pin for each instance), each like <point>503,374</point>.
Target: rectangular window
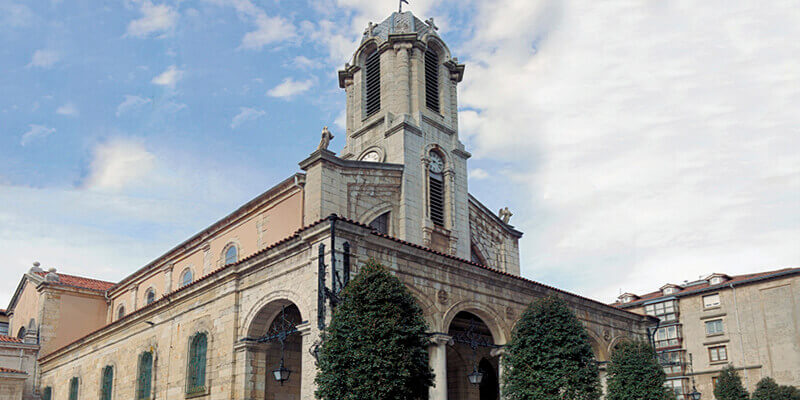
<point>73,389</point>
<point>144,380</point>
<point>667,311</point>
<point>108,382</point>
<point>667,336</point>
<point>714,327</point>
<point>432,80</point>
<point>714,381</point>
<point>711,300</point>
<point>672,362</point>
<point>373,82</point>
<point>47,393</point>
<point>677,387</point>
<point>719,353</point>
<point>4,328</point>
<point>437,199</point>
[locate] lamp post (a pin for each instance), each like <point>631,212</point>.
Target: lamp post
<point>694,394</point>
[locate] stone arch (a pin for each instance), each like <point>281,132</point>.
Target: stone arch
<point>448,162</point>
<point>430,312</point>
<point>366,48</point>
<point>279,296</point>
<point>232,243</point>
<point>614,342</point>
<point>599,347</point>
<point>466,357</point>
<point>491,318</point>
<point>436,44</point>
<point>374,212</point>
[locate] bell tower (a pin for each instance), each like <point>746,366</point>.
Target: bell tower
<point>402,109</point>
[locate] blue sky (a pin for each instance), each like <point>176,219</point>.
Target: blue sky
<point>636,142</point>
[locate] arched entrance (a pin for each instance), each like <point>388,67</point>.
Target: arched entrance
<point>275,322</point>
<point>471,351</point>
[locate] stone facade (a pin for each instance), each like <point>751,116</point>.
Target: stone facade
<point>748,321</point>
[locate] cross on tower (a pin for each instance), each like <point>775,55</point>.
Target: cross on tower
<point>401,5</point>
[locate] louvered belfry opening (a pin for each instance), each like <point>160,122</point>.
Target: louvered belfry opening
<point>373,73</point>
<point>432,80</point>
<point>437,198</point>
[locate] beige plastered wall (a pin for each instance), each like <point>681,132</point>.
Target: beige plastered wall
<point>79,314</point>
<point>26,308</point>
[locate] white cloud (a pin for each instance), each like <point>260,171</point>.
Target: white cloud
<point>131,103</point>
<point>36,132</point>
<point>478,173</point>
<point>648,151</point>
<point>118,164</point>
<point>14,15</point>
<point>44,58</point>
<point>269,30</point>
<point>169,77</point>
<point>290,88</point>
<point>304,62</point>
<point>68,109</point>
<point>155,18</point>
<point>246,114</point>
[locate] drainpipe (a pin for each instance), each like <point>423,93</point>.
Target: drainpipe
<point>741,340</point>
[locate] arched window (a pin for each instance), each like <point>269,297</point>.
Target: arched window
<point>381,223</point>
<point>432,80</point>
<point>196,381</point>
<point>120,312</point>
<point>150,296</point>
<point>144,378</point>
<point>73,388</point>
<point>436,188</point>
<point>47,393</point>
<point>372,71</point>
<point>107,382</point>
<point>186,277</point>
<point>21,333</point>
<point>231,255</point>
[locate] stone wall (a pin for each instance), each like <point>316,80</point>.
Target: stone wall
<point>496,243</point>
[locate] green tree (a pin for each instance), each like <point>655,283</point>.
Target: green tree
<point>729,386</point>
<point>634,373</point>
<point>768,389</point>
<point>549,356</point>
<point>376,345</point>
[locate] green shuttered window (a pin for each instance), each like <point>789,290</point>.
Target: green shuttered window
<point>73,389</point>
<point>145,376</point>
<point>196,380</point>
<point>108,381</point>
<point>47,393</point>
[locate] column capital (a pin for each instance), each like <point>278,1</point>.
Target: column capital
<point>438,339</point>
<point>498,352</point>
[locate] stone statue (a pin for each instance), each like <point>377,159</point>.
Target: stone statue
<point>431,24</point>
<point>368,31</point>
<point>326,139</point>
<point>505,215</point>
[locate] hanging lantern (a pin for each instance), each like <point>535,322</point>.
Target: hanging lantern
<point>282,373</point>
<point>475,377</point>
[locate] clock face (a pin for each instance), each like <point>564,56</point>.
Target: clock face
<point>436,164</point>
<point>372,156</point>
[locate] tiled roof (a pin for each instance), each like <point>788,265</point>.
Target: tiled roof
<point>80,282</point>
<point>11,371</point>
<point>10,339</point>
<point>690,289</point>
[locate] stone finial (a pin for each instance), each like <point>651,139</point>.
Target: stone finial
<point>51,276</point>
<point>431,24</point>
<point>505,214</point>
<point>325,140</point>
<point>370,28</point>
<point>35,267</point>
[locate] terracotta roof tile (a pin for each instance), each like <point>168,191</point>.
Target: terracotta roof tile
<point>81,282</point>
<point>686,290</point>
<point>11,371</point>
<point>10,339</point>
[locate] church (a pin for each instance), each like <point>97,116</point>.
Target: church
<point>236,311</point>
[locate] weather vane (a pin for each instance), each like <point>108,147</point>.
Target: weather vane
<point>401,5</point>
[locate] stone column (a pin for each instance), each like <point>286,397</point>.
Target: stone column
<point>403,72</point>
<point>308,362</point>
<point>500,369</point>
<point>438,361</point>
<point>206,261</point>
<point>168,278</point>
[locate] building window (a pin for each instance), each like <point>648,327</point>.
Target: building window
<point>73,388</point>
<point>714,327</point>
<point>144,377</point>
<point>436,188</point>
<point>47,393</point>
<point>714,380</point>
<point>120,312</point>
<point>4,328</point>
<point>718,353</point>
<point>670,290</point>
<point>372,70</point>
<point>432,80</point>
<point>711,301</point>
<point>150,297</point>
<point>475,255</point>
<point>667,311</point>
<point>107,382</point>
<point>196,382</point>
<point>667,336</point>
<point>672,362</point>
<point>186,277</point>
<point>231,255</point>
<point>381,224</point>
<point>21,333</point>
<point>677,387</point>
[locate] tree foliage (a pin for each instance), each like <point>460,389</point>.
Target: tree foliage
<point>729,386</point>
<point>549,356</point>
<point>634,373</point>
<point>376,345</point>
<point>768,389</point>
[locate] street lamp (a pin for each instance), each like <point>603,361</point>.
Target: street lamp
<point>282,373</point>
<point>476,377</point>
<point>694,394</point>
